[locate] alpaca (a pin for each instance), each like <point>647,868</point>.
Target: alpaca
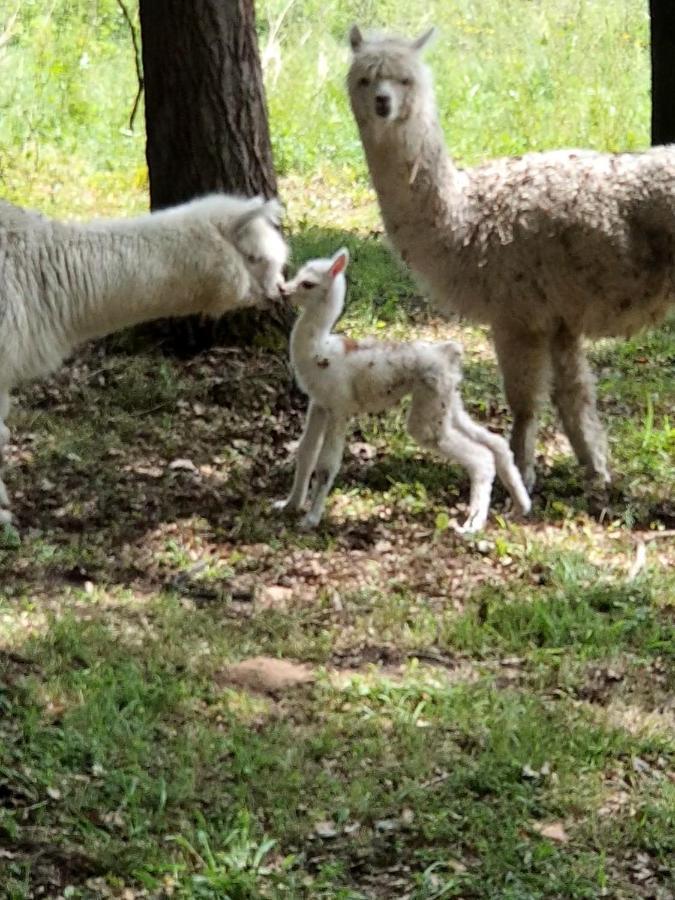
<point>344,377</point>
<point>64,284</point>
<point>545,248</point>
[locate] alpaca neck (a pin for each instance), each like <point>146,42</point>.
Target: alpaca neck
<point>133,278</point>
<point>315,323</point>
<point>415,179</point>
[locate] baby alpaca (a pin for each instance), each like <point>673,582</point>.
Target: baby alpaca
<point>344,377</point>
<point>63,284</point>
<point>547,248</point>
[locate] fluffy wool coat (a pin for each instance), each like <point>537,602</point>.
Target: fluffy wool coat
<point>545,248</point>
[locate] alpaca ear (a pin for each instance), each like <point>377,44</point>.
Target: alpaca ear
<point>273,211</point>
<point>256,208</point>
<point>355,38</point>
<point>339,262</point>
<point>421,42</point>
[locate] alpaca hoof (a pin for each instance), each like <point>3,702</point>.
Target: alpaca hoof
<point>529,477</point>
<point>280,505</point>
<point>309,522</point>
<point>475,522</point>
<point>523,507</point>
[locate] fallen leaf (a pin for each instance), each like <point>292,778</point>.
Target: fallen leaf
<point>273,596</point>
<point>266,674</point>
<point>183,465</point>
<point>554,831</point>
<point>325,830</point>
<point>362,450</point>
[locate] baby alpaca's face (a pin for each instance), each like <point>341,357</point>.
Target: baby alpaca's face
<point>310,283</point>
<point>315,279</point>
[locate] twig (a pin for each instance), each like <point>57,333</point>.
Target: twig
<point>6,35</point>
<point>641,550</point>
<point>639,561</point>
<point>137,60</point>
<point>653,535</point>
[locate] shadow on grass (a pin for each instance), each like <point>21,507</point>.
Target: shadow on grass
<point>115,451</point>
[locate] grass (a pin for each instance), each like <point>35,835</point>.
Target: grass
<point>489,717</point>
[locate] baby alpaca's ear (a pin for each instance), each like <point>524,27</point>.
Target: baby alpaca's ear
<point>339,262</point>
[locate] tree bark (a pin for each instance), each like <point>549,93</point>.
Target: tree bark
<point>206,120</point>
<point>662,13</point>
<point>204,100</point>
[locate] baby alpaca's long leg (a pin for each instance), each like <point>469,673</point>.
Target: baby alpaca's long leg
<point>431,427</point>
<point>327,467</point>
<point>306,457</point>
<point>5,514</point>
<point>506,468</point>
<point>480,464</point>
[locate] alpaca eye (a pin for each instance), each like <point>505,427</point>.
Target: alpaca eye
<point>307,285</point>
<point>364,82</point>
<point>252,259</point>
<point>406,82</point>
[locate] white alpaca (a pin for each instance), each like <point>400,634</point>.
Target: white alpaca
<point>63,284</point>
<point>344,377</point>
<point>545,248</point>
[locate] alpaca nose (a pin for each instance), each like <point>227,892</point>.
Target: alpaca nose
<point>383,105</point>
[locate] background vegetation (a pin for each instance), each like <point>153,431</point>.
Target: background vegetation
<point>512,76</point>
<point>484,718</point>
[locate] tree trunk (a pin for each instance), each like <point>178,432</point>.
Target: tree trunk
<point>662,14</point>
<point>206,119</point>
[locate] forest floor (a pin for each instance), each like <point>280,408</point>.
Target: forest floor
<point>199,700</point>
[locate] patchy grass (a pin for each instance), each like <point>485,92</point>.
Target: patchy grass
<point>486,717</point>
<point>490,717</point>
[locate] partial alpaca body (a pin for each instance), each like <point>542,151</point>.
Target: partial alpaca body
<point>63,284</point>
<point>344,378</point>
<point>546,248</point>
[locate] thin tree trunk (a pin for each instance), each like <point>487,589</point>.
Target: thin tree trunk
<point>662,14</point>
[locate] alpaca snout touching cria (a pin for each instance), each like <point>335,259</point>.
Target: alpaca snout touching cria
<point>344,377</point>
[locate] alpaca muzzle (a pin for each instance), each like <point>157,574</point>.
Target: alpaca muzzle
<point>383,105</point>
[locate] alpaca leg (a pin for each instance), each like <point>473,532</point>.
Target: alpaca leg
<point>480,464</point>
<point>503,457</point>
<point>574,395</point>
<point>524,359</point>
<point>437,434</point>
<point>306,457</point>
<point>327,467</point>
<point>5,514</point>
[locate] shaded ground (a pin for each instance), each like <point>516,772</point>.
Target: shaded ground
<point>490,717</point>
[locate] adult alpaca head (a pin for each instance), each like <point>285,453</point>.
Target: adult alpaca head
<point>389,84</point>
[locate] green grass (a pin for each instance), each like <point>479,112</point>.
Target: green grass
<point>490,717</point>
<point>504,71</point>
<point>467,693</point>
